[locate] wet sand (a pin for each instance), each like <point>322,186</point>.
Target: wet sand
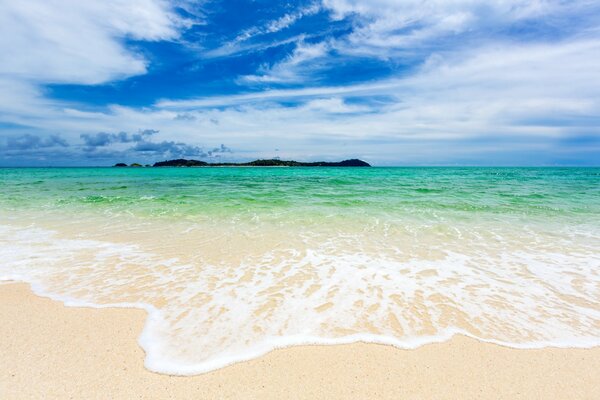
<point>51,351</point>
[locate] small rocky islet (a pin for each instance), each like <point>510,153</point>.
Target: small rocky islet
<point>182,162</point>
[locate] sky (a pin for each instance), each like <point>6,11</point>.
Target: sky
<point>392,82</point>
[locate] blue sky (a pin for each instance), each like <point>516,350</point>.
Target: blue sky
<point>393,82</point>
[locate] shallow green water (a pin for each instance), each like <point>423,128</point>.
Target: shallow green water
<point>548,192</point>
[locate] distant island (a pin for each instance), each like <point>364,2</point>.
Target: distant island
<point>181,162</point>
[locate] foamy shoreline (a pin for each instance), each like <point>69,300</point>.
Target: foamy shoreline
<point>56,351</point>
<point>118,275</point>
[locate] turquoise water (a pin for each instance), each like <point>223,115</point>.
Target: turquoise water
<point>233,262</point>
<point>195,191</point>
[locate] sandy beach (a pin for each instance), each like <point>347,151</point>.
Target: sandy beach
<point>52,351</point>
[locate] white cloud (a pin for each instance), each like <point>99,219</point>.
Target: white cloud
<point>295,67</point>
<point>72,41</point>
<point>334,105</point>
<point>291,18</point>
<point>385,26</point>
<point>278,24</point>
<point>243,41</point>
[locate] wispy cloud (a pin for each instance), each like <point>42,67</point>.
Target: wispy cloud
<point>240,42</point>
<point>278,24</point>
<point>384,27</point>
<point>293,68</point>
<point>408,31</point>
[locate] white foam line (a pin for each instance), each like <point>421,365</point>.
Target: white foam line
<point>156,364</point>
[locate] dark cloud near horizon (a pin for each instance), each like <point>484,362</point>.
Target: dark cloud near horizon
<point>101,139</point>
<point>144,147</point>
<point>184,117</point>
<point>178,149</point>
<point>168,149</point>
<point>220,149</point>
<point>103,147</point>
<point>31,142</point>
<point>28,149</point>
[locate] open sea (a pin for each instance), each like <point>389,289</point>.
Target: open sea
<point>231,263</point>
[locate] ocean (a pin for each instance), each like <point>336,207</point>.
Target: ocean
<point>231,263</point>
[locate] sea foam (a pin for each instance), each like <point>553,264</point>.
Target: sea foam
<point>233,296</point>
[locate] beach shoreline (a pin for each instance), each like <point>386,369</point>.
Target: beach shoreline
<point>55,351</point>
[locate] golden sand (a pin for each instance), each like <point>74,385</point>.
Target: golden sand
<point>51,351</point>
